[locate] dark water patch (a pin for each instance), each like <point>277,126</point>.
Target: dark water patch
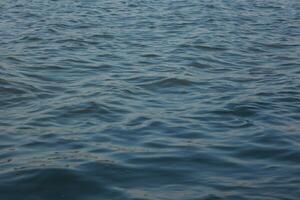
<point>168,83</point>
<point>239,111</point>
<point>268,153</point>
<point>150,55</point>
<point>53,184</point>
<point>200,65</point>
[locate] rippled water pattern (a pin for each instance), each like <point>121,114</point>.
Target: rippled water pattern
<point>149,99</point>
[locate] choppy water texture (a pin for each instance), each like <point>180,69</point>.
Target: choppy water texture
<point>166,100</point>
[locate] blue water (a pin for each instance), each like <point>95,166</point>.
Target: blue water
<point>149,100</point>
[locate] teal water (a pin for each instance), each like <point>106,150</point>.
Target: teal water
<point>149,100</point>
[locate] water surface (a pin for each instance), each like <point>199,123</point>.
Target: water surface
<point>146,100</point>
